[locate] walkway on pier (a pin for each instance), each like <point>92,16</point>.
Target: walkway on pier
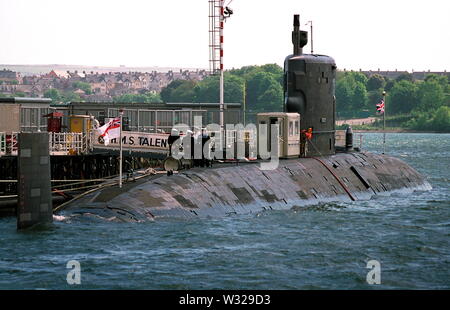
<point>73,143</point>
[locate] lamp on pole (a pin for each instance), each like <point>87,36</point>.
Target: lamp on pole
<point>120,155</point>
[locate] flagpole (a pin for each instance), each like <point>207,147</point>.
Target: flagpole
<point>120,156</point>
<point>384,122</point>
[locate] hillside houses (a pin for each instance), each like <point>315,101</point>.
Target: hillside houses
<point>103,86</point>
<point>9,77</point>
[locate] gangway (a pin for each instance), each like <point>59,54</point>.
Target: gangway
<point>74,143</point>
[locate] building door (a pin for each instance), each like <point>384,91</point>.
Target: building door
<point>280,122</point>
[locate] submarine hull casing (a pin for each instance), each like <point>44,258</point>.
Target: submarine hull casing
<point>245,188</point>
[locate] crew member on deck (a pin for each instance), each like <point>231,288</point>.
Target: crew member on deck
<point>305,136</point>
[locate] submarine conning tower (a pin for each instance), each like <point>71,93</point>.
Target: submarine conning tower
<point>309,89</point>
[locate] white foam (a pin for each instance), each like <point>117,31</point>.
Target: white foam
<point>59,218</point>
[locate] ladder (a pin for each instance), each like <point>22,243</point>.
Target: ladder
<point>215,35</point>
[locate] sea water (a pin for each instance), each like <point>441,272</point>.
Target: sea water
<point>328,246</point>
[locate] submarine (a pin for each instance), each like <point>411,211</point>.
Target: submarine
<point>311,169</point>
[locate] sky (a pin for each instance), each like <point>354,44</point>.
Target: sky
<point>367,35</point>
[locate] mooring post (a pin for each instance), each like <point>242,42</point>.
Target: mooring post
<point>34,190</point>
<point>349,139</point>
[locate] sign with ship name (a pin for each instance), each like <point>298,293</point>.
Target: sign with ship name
<point>136,141</point>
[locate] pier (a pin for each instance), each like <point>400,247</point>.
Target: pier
<point>79,160</point>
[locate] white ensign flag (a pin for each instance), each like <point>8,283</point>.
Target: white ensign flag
<point>110,130</point>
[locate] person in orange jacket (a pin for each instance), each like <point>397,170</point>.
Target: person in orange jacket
<point>308,134</point>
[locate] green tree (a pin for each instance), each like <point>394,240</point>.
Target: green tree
<point>131,98</point>
<point>431,95</point>
<point>405,76</point>
<point>358,98</point>
<point>138,98</point>
<point>166,92</point>
<point>86,87</point>
<point>184,92</point>
<point>272,68</point>
<point>247,71</point>
<point>358,77</point>
<point>389,84</point>
<point>244,71</point>
<point>402,98</point>
<point>438,120</point>
<point>271,100</point>
<point>234,89</point>
<point>153,97</point>
<point>351,94</point>
<point>70,97</point>
<point>419,121</point>
<point>376,81</point>
<point>263,92</point>
<point>276,70</point>
<point>344,93</point>
<point>207,90</point>
<point>53,94</point>
<point>441,119</point>
<point>441,79</point>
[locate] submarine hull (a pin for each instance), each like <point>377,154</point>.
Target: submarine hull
<point>244,188</point>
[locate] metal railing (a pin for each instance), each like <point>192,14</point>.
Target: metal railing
<point>65,143</point>
<point>69,143</point>
<point>2,143</point>
<point>340,139</point>
<point>8,144</point>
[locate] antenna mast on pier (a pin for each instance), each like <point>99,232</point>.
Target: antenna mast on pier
<point>217,15</point>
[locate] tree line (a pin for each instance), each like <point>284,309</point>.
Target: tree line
<point>420,104</point>
<point>415,104</point>
<point>258,87</point>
